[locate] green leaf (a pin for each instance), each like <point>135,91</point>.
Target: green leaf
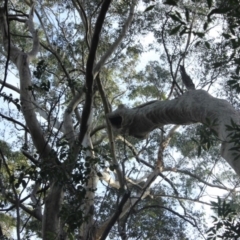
<point>199,150</point>
<point>199,34</point>
<point>205,25</point>
<point>48,85</point>
<point>237,70</point>
<point>71,237</point>
<point>231,82</point>
<point>209,230</point>
<point>226,35</point>
<point>183,31</point>
<point>24,184</point>
<point>175,30</point>
<point>171,2</point>
<point>179,15</point>
<point>235,44</point>
<point>198,43</point>
<point>209,2</point>
<point>217,64</point>
<point>187,14</point>
<point>220,11</point>
<point>207,44</point>
<point>237,61</point>
<point>175,18</point>
<point>214,204</point>
<point>149,8</point>
<point>232,31</point>
<point>209,144</point>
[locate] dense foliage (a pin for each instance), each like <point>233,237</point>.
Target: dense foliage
<point>64,173</point>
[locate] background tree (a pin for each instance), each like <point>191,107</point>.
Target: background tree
<point>66,65</point>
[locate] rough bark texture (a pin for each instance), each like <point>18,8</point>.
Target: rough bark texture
<point>192,107</point>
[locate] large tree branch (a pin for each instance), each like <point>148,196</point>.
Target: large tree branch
<point>192,107</point>
<point>115,216</point>
<point>107,109</point>
<point>21,60</point>
<point>130,203</point>
<point>10,86</point>
<point>67,119</point>
<point>105,176</point>
<point>87,228</point>
<point>118,40</point>
<point>6,34</point>
<point>89,70</point>
<point>51,223</point>
<point>34,33</point>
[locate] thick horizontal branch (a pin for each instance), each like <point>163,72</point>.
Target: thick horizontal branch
<point>10,86</point>
<point>192,107</point>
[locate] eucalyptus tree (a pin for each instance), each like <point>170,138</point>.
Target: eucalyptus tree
<point>68,174</point>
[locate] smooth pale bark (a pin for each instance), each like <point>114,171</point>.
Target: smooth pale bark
<point>130,202</point>
<point>192,107</point>
<point>51,217</point>
<point>68,121</point>
<point>21,60</point>
<point>87,228</point>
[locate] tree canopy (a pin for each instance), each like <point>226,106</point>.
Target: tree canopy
<point>119,119</point>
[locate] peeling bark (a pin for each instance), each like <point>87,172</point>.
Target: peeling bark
<point>192,107</point>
